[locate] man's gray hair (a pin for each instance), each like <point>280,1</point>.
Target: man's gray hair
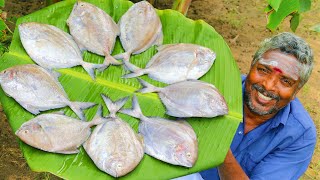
<point>290,44</point>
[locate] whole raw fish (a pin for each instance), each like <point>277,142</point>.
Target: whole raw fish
<point>93,30</point>
<point>50,47</point>
<point>140,28</point>
<point>35,89</point>
<point>174,142</point>
<point>176,62</point>
<point>113,146</point>
<point>56,133</point>
<point>189,99</point>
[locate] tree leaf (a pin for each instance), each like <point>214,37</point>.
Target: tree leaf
<point>294,21</point>
<point>214,134</point>
<point>305,5</point>
<point>3,25</point>
<point>2,2</point>
<point>268,9</point>
<point>275,4</point>
<point>276,17</point>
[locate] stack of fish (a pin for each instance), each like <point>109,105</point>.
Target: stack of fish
<point>113,145</point>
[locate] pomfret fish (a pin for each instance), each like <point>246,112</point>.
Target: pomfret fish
<point>93,30</point>
<point>176,62</point>
<point>50,47</point>
<point>35,89</point>
<point>174,142</point>
<point>140,28</point>
<point>113,146</point>
<point>189,99</point>
<point>56,133</point>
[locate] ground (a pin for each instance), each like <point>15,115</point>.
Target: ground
<point>241,23</point>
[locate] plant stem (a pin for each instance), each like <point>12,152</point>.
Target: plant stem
<point>181,6</point>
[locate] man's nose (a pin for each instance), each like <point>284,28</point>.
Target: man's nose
<point>270,83</point>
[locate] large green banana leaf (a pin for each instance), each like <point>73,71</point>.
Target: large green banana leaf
<point>214,134</point>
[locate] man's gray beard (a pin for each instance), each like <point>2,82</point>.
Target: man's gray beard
<point>248,102</point>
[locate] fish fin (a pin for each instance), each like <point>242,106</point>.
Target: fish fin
<point>68,151</point>
<point>109,60</point>
<point>98,118</point>
<point>164,46</point>
<point>124,56</point>
<point>132,75</point>
<point>159,39</point>
<point>135,111</point>
<point>61,112</point>
<point>77,107</point>
<point>147,87</point>
<point>51,72</point>
<point>32,109</point>
<point>131,67</point>
<point>140,138</point>
<point>113,107</point>
<point>89,67</point>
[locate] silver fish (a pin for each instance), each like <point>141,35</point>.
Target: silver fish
<point>176,62</point>
<point>93,30</point>
<point>189,99</point>
<point>50,47</point>
<point>140,28</point>
<point>113,146</point>
<point>174,142</point>
<point>56,133</point>
<point>37,90</point>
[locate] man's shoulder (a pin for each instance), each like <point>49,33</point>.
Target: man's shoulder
<point>298,114</point>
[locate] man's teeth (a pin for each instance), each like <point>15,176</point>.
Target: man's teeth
<point>264,97</point>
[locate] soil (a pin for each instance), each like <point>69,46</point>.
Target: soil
<point>243,26</point>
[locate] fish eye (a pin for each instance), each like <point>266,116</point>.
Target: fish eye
<point>119,166</point>
<point>188,155</point>
<point>26,131</point>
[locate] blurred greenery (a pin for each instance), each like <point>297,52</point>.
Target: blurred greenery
<point>278,10</point>
<point>5,32</point>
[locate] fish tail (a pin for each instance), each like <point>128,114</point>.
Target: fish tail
<point>89,67</point>
<point>124,56</point>
<point>77,107</point>
<point>97,119</point>
<point>131,67</point>
<point>110,60</point>
<point>113,107</point>
<point>135,111</point>
<point>147,87</point>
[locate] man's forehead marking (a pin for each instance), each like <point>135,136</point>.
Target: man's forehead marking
<point>289,67</point>
<point>277,69</point>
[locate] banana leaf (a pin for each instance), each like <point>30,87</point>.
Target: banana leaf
<point>214,134</point>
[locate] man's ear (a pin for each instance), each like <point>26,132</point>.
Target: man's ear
<point>295,93</point>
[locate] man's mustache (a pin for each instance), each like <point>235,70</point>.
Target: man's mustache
<point>263,91</point>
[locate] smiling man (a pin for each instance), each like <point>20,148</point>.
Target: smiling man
<point>277,137</point>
